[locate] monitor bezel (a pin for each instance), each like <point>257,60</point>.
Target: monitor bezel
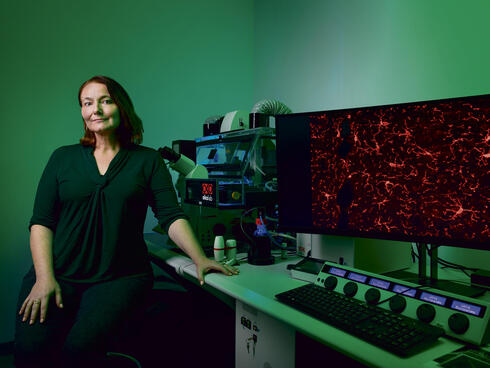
<point>280,119</point>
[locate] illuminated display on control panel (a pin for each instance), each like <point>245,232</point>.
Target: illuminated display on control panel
<point>337,271</point>
<point>207,191</point>
<point>466,307</point>
<point>404,290</point>
<point>379,283</point>
<point>356,277</point>
<point>433,298</point>
<point>449,302</point>
<point>201,192</point>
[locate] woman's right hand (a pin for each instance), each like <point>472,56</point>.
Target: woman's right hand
<point>36,303</point>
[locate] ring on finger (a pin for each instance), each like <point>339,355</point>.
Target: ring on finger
<point>36,301</point>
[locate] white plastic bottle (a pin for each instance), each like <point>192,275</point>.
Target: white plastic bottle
<point>219,248</point>
<point>231,251</point>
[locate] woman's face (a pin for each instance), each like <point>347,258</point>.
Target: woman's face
<point>99,111</point>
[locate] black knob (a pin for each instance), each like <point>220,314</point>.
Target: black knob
<point>350,289</point>
<point>398,304</point>
<point>330,283</point>
<point>426,313</point>
<point>372,296</point>
<point>459,323</point>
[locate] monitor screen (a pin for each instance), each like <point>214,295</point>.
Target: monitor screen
<point>414,172</point>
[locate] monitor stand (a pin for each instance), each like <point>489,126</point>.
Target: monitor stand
<point>372,255</point>
<point>432,280</point>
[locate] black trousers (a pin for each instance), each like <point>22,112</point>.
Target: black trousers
<point>79,334</point>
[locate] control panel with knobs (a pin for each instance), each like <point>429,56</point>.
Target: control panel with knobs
<point>464,318</point>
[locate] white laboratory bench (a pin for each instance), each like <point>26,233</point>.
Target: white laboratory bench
<point>252,295</point>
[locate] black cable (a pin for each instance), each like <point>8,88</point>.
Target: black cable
<point>455,265</point>
<point>241,223</point>
<point>402,293</point>
<point>446,264</point>
<point>456,268</point>
<point>449,264</point>
<point>242,259</point>
<point>271,219</point>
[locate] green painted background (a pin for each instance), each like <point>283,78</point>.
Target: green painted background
<point>319,55</point>
<point>183,61</point>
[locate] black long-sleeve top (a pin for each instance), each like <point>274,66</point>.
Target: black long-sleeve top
<point>98,220</point>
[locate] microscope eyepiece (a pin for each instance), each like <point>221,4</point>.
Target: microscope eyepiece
<point>169,154</point>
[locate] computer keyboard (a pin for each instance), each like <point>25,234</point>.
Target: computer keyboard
<point>393,332</point>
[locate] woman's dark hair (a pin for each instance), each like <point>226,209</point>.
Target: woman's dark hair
<point>130,129</point>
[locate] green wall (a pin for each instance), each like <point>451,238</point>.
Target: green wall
<point>181,62</point>
<point>319,55</point>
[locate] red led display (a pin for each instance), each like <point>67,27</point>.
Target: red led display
<point>207,189</point>
<point>411,170</point>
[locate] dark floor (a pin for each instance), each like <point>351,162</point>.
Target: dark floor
<point>6,361</point>
<point>184,329</point>
<point>179,329</point>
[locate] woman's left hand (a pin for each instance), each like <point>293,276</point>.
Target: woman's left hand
<point>207,265</point>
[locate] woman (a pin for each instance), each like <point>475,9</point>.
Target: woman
<point>90,263</point>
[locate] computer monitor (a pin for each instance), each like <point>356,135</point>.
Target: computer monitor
<point>415,172</point>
